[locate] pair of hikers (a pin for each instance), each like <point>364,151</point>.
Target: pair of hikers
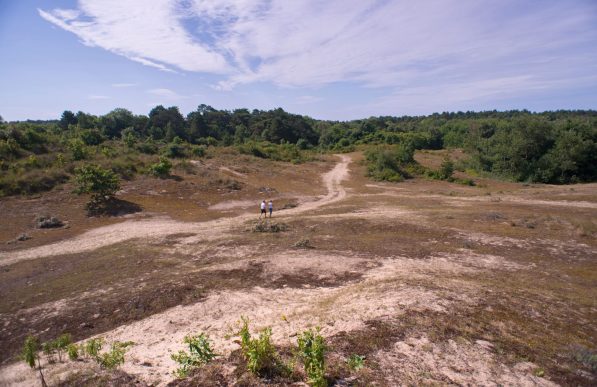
<point>263,206</point>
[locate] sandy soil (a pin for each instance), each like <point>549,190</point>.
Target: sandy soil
<point>346,289</point>
<point>160,227</point>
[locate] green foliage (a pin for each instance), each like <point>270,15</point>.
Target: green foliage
<point>16,182</point>
<point>73,351</point>
<point>148,147</point>
<point>388,163</point>
<point>200,353</point>
<point>92,347</point>
<point>311,347</point>
<point>78,149</point>
<point>278,152</point>
<point>198,151</point>
<point>91,137</point>
<point>355,362</point>
<point>30,350</point>
<point>174,149</point>
<point>161,168</point>
<point>115,356</point>
<point>260,354</point>
<point>102,184</point>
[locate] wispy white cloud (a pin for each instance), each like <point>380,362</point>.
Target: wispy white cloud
<point>306,99</point>
<point>97,97</point>
<point>123,85</point>
<point>151,34</point>
<point>167,94</point>
<point>423,52</point>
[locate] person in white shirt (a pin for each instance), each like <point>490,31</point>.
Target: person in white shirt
<point>263,211</point>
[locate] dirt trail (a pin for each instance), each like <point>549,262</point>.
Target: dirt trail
<point>160,227</point>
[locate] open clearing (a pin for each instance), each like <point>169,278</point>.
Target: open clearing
<point>433,282</point>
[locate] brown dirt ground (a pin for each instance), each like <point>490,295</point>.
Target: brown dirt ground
<point>433,282</point>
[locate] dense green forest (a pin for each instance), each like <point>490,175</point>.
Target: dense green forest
<point>550,147</point>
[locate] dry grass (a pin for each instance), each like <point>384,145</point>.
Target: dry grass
<point>399,272</point>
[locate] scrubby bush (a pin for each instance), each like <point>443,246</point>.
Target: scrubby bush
<point>91,137</point>
<point>78,149</point>
<point>115,356</point>
<point>92,347</point>
<point>198,151</point>
<point>311,349</point>
<point>101,183</point>
<point>200,353</point>
<point>260,354</point>
<point>389,163</point>
<point>161,168</point>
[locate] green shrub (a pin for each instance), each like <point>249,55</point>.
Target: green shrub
<point>355,362</point>
<point>389,163</point>
<point>174,150</point>
<point>311,346</point>
<point>30,350</point>
<point>78,149</point>
<point>102,184</point>
<point>30,355</point>
<point>161,168</point>
<point>92,347</point>
<point>446,169</point>
<point>115,356</point>
<point>260,354</point>
<point>15,182</point>
<point>198,151</point>
<point>91,137</point>
<point>148,147</point>
<point>200,353</point>
<point>73,351</point>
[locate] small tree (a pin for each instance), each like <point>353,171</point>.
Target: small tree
<point>31,353</point>
<point>446,169</point>
<point>101,183</point>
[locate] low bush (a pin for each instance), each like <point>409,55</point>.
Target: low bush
<point>311,349</point>
<point>355,362</point>
<point>389,163</point>
<point>30,182</point>
<point>101,183</point>
<point>161,168</point>
<point>260,354</point>
<point>270,227</point>
<point>115,356</point>
<point>200,353</point>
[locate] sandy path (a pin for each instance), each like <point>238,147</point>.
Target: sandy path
<point>402,192</point>
<point>160,227</point>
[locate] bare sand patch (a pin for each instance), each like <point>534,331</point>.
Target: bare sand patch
<point>461,363</point>
<point>384,291</point>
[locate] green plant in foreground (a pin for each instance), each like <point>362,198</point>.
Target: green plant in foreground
<point>31,348</point>
<point>92,347</point>
<point>260,353</point>
<point>311,346</point>
<point>200,353</point>
<point>355,362</point>
<point>73,351</point>
<point>115,356</point>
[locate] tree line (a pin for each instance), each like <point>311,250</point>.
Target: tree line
<point>549,147</point>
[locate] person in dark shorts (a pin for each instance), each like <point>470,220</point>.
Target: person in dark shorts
<point>263,211</point>
<point>271,207</point>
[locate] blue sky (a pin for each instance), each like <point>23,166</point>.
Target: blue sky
<point>334,59</point>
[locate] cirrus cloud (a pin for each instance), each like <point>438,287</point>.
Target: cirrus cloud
<point>457,49</point>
